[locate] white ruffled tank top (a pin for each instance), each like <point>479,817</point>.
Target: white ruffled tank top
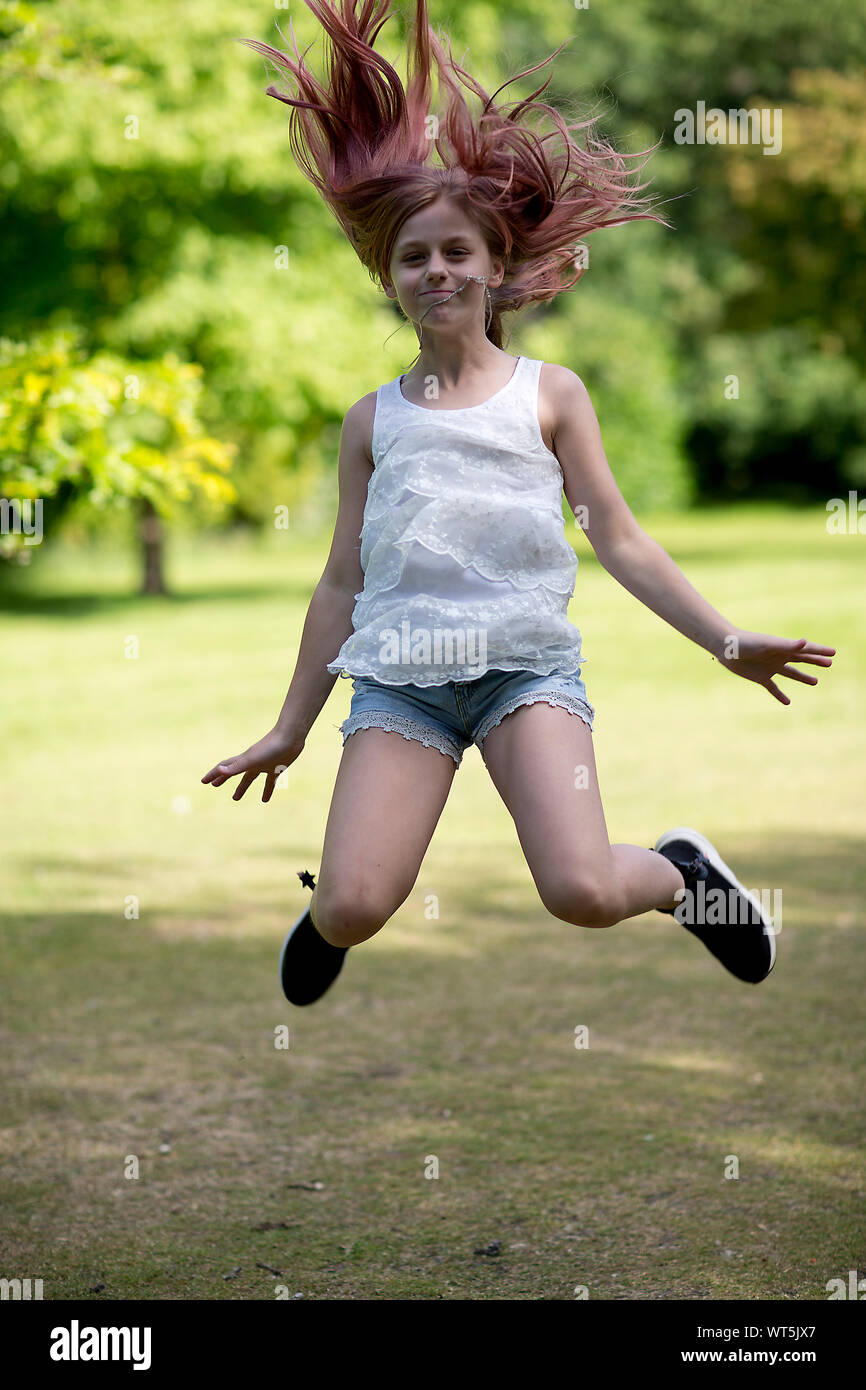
<point>463,548</point>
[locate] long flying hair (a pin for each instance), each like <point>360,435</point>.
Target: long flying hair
<point>367,144</point>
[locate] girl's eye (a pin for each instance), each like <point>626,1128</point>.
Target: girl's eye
<point>459,251</point>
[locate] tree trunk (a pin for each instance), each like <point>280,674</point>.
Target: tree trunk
<point>150,532</point>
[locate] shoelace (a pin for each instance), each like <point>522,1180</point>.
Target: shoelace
<point>696,869</point>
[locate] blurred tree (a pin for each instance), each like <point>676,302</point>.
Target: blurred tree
<point>792,334</point>
<point>148,194</point>
<point>99,433</point>
<point>765,278</point>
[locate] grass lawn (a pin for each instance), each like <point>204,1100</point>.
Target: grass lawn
<point>152,1037</point>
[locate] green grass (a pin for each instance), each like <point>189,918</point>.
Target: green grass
<point>454,1037</point>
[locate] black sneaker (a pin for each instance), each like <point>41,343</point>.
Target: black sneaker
<point>309,964</point>
<point>738,933</point>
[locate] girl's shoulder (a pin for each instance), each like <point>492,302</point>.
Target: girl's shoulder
<point>357,432</point>
<point>559,386</point>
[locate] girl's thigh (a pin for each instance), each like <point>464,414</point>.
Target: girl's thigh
<point>542,762</point>
<point>388,796</point>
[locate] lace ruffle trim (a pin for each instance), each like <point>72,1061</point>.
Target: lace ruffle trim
<point>531,617</point>
<point>559,698</point>
<point>558,577</point>
<point>400,724</point>
<point>414,676</point>
<point>424,486</point>
<point>503,540</point>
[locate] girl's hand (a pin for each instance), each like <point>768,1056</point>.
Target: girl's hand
<point>758,657</point>
<point>271,755</point>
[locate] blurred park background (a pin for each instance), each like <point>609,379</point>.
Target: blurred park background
<point>183,327</point>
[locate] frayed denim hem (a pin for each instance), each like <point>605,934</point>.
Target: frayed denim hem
<point>559,698</point>
<point>400,724</point>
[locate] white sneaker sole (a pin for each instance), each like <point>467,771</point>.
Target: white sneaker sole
<point>684,832</point>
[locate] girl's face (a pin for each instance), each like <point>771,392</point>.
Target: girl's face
<point>435,250</point>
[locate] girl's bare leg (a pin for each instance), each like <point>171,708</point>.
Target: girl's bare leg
<point>542,763</point>
<point>388,796</point>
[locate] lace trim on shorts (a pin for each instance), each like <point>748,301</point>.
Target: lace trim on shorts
<point>560,698</point>
<point>400,724</point>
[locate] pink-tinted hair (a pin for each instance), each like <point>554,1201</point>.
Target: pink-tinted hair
<point>366,144</point>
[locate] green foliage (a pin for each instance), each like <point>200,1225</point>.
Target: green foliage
<point>149,198</point>
<point>628,365</point>
<point>811,398</point>
<point>99,431</point>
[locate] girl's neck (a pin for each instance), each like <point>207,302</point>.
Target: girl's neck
<point>461,369</point>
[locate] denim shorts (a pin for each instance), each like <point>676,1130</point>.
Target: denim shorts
<point>452,716</point>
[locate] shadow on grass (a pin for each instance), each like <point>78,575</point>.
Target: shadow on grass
<point>455,1039</point>
<point>83,604</point>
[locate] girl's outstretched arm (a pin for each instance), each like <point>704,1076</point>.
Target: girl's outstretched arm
<point>327,625</point>
<point>642,566</point>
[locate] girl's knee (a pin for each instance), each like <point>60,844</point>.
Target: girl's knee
<point>583,901</point>
<point>349,920</point>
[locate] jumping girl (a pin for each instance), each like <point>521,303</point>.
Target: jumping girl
<point>446,589</point>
